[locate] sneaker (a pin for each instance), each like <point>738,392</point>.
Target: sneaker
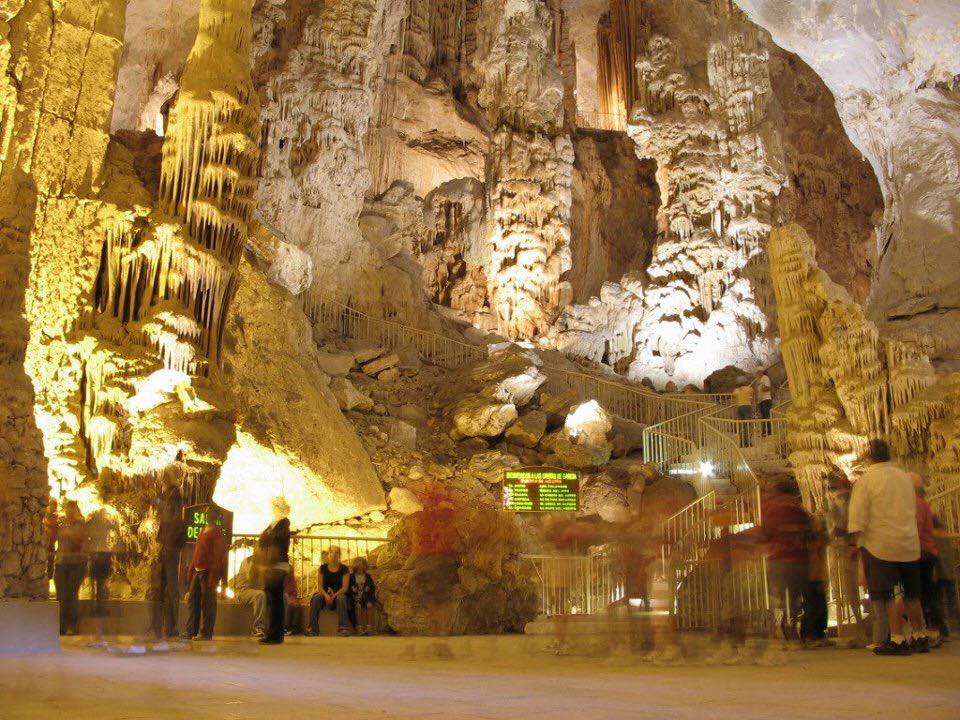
<point>343,632</point>
<point>935,642</point>
<point>160,647</point>
<point>271,641</point>
<point>892,648</point>
<point>309,633</point>
<point>920,645</point>
<point>258,634</point>
<point>202,638</point>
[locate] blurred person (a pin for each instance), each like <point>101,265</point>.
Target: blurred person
<point>764,399</point>
<point>362,592</point>
<point>206,570</point>
<point>102,529</point>
<point>69,566</point>
<point>248,587</point>
<point>813,625</point>
<point>847,554</point>
<point>883,521</point>
<point>164,590</point>
<point>293,609</point>
<point>274,545</point>
<point>946,577</point>
<point>51,520</point>
<point>743,400</point>
<point>334,579</point>
<point>930,600</point>
<point>786,528</point>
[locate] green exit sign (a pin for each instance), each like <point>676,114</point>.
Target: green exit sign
<point>541,489</point>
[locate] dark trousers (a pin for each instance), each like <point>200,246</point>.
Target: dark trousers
<point>765,407</point>
<point>744,412</point>
<point>948,596</point>
<point>101,567</point>
<point>202,606</point>
<point>165,594</point>
<point>814,623</point>
<point>930,597</point>
<point>67,578</point>
<point>341,604</point>
<point>273,587</point>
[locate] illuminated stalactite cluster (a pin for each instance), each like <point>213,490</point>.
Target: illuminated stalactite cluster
<point>529,164</point>
<point>619,34</point>
<point>706,304</point>
<point>848,383</point>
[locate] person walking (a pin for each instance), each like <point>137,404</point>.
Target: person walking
<point>205,573</point>
<point>69,566</point>
<point>101,535</point>
<point>274,547</point>
<point>786,528</point>
<point>743,399</point>
<point>764,400</point>
<point>165,574</point>
<point>883,520</point>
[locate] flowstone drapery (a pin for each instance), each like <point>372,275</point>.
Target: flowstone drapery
<point>849,384</point>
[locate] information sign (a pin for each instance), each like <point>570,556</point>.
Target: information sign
<point>541,489</point>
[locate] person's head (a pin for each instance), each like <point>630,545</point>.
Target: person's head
<point>359,565</point>
<point>213,516</point>
<point>878,451</point>
<point>280,507</point>
<point>71,510</point>
<point>333,555</point>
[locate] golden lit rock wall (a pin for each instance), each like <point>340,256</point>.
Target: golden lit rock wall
<point>57,93</point>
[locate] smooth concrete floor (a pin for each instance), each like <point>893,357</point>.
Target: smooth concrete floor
<point>505,677</point>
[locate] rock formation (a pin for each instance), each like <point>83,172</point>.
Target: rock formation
<point>892,67</point>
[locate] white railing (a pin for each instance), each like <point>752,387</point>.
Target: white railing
<point>577,584</point>
<point>307,554</point>
<point>767,435</point>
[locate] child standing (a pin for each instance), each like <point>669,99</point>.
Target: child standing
<point>362,592</point>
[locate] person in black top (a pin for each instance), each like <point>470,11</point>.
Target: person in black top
<point>334,578</point>
<point>363,594</point>
<point>274,550</point>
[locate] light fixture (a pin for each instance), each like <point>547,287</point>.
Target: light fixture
<point>706,469</point>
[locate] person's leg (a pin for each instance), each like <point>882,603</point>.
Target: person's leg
<point>78,571</point>
<point>317,603</point>
<point>930,601</point>
<point>274,593</point>
<point>193,606</point>
<point>170,593</point>
<point>343,613</point>
<point>209,614</point>
<point>60,582</point>
<point>765,408</point>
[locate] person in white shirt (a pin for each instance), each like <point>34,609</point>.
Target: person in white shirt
<point>882,518</point>
<point>764,399</point>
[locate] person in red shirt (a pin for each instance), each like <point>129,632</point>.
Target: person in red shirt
<point>930,599</point>
<point>786,529</point>
<point>205,573</point>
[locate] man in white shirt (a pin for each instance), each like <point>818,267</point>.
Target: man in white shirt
<point>883,518</point>
<point>764,399</point>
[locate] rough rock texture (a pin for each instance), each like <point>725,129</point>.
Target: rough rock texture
<point>893,67</point>
<point>529,164</point>
<point>848,384</point>
<point>455,569</point>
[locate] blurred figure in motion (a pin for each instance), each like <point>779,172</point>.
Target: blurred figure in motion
<point>164,592</point>
<point>274,547</point>
<point>846,555</point>
<point>102,530</point>
<point>946,577</point>
<point>51,520</point>
<point>205,573</point>
<point>69,566</point>
<point>930,598</point>
<point>786,528</point>
<point>813,625</point>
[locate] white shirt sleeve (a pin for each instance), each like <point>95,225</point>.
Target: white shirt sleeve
<point>859,510</point>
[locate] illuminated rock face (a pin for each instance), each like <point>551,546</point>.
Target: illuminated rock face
<point>848,383</point>
<point>893,67</point>
<point>529,164</point>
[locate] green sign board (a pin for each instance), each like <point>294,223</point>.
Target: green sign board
<point>196,520</point>
<point>541,489</point>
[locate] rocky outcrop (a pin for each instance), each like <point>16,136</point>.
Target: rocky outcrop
<point>892,68</point>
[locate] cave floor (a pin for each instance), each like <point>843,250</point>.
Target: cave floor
<point>503,677</point>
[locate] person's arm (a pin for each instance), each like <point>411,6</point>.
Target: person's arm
<point>343,586</point>
<point>859,511</point>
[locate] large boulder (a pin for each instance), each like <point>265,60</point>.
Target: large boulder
<point>348,396</point>
<point>455,569</point>
<point>511,375</point>
<point>627,436</point>
<point>489,466</point>
<point>404,501</point>
<point>601,496</point>
<point>569,454</point>
<point>588,423</point>
<point>479,416</point>
<point>557,406</point>
<point>528,430</point>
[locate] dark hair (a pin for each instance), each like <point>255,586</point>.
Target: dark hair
<point>788,486</point>
<point>879,450</point>
<point>213,514</point>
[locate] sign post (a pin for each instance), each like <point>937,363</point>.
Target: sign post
<point>541,489</point>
